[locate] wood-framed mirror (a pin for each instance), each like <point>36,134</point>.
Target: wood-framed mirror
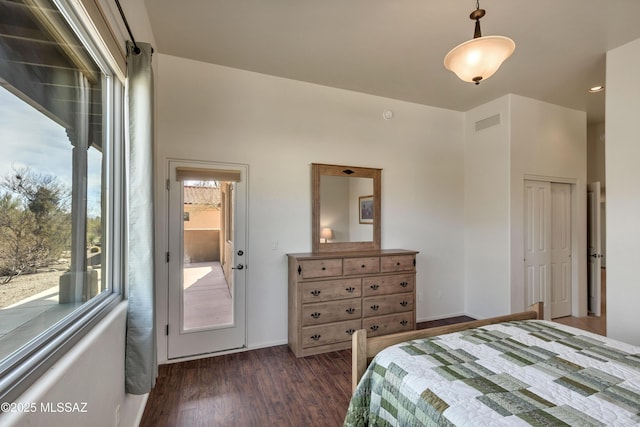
<point>345,208</point>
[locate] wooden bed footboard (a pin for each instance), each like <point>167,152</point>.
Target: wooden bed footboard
<point>363,349</point>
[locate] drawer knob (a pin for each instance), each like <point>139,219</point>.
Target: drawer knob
<point>324,268</point>
<point>404,303</point>
<point>350,310</point>
<point>404,323</point>
<point>315,292</point>
<point>350,289</point>
<point>374,286</point>
<point>397,263</point>
<point>350,331</point>
<point>364,266</point>
<point>404,284</point>
<point>374,327</point>
<point>374,307</point>
<point>315,314</point>
<point>315,337</point>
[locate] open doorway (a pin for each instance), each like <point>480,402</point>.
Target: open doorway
<point>596,320</point>
<point>594,243</point>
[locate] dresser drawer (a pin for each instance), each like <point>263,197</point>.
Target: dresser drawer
<point>383,285</point>
<point>387,304</point>
<point>328,312</point>
<point>328,290</point>
<point>367,265</point>
<point>320,268</point>
<point>313,336</point>
<point>390,264</point>
<point>389,324</point>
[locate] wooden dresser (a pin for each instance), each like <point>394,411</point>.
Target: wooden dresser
<point>333,294</point>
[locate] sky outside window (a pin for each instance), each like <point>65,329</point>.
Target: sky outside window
<point>30,139</point>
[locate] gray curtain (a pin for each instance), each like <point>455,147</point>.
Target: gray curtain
<point>140,353</point>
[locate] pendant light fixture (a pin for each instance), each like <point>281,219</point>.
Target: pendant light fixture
<point>479,58</point>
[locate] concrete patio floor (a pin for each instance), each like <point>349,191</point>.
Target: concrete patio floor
<point>25,320</point>
<point>207,300</point>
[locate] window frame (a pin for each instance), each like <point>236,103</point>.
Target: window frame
<point>25,366</point>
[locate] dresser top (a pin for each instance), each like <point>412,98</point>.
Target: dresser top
<point>352,254</point>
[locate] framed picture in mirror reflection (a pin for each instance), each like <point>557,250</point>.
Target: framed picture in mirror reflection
<point>365,207</point>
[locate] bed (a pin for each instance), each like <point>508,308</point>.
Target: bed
<point>509,370</point>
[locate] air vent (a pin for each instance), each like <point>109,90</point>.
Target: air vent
<point>488,122</point>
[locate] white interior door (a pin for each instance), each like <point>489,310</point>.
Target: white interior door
<point>560,250</point>
<point>548,242</point>
<point>537,242</point>
<point>207,257</point>
<point>595,247</point>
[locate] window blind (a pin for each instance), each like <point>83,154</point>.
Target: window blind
<point>202,174</point>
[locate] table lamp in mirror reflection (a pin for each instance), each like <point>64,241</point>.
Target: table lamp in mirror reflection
<point>326,234</point>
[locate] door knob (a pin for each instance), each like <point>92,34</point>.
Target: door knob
<point>238,267</point>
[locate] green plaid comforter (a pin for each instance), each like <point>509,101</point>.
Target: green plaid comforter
<point>516,373</point>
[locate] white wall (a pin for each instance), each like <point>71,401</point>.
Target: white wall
<point>486,219</point>
<point>334,209</point>
<point>279,127</point>
<point>623,192</point>
<point>596,154</point>
<point>533,139</point>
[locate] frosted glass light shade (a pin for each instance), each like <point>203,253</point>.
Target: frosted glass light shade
<point>479,58</point>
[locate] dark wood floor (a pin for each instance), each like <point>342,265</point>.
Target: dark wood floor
<point>266,387</point>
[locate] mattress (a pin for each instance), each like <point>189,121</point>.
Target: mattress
<point>519,373</point>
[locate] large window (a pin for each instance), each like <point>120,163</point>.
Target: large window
<point>60,145</point>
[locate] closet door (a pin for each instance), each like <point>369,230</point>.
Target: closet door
<point>560,250</point>
<point>548,271</point>
<point>537,208</point>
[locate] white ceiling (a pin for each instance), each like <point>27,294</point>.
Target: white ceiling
<point>395,48</point>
